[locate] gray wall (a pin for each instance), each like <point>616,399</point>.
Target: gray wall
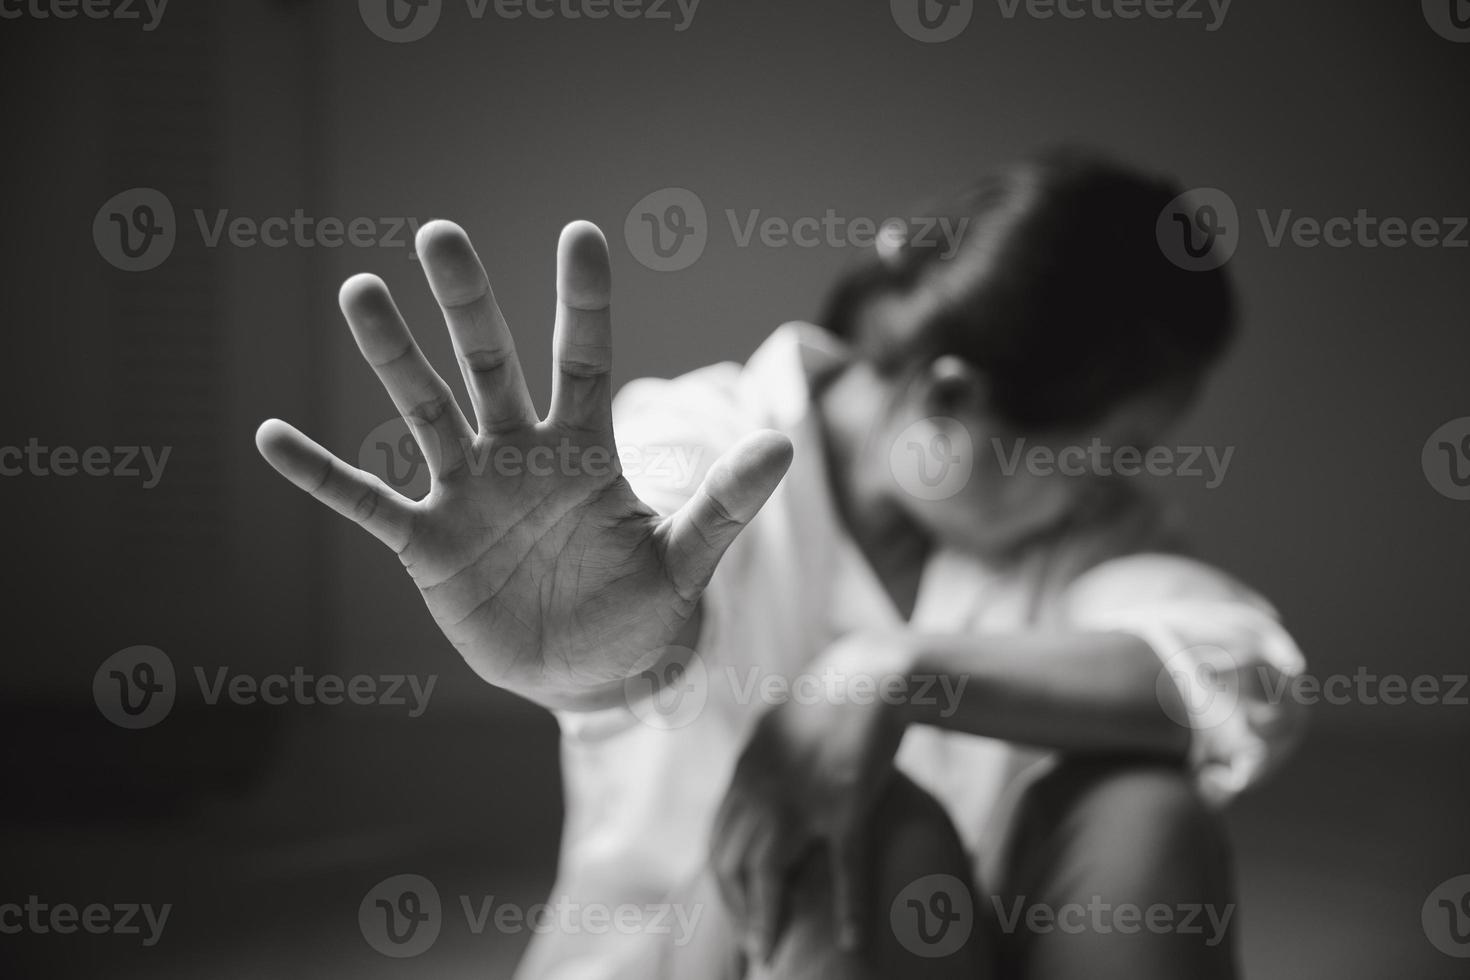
<point>1349,359</point>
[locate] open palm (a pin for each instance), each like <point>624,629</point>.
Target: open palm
<point>532,552</point>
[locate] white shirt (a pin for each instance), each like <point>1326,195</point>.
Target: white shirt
<point>642,786</point>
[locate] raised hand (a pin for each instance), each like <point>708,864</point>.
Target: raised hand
<point>532,552</point>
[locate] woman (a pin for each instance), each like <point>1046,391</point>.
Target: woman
<point>922,705</point>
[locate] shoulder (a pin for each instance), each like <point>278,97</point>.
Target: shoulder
<point>1152,577</point>
<point>723,401</point>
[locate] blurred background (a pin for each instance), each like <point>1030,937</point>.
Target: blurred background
<point>264,826</point>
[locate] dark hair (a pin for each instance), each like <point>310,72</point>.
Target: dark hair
<point>1059,292</point>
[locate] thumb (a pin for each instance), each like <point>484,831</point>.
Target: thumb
<point>736,487</point>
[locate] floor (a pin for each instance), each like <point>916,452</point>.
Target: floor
<point>1335,858</point>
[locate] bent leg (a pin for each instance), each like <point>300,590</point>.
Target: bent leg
<point>927,938</point>
<point>1115,869</point>
<point>921,923</point>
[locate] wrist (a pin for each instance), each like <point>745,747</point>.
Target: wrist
<point>952,682</point>
<point>932,690</point>
<point>875,669</point>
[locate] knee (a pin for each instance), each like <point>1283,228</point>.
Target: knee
<point>1115,844</point>
<point>1155,802</point>
<point>1133,827</point>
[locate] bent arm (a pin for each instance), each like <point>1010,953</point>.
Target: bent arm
<point>1159,654</point>
<point>1073,692</point>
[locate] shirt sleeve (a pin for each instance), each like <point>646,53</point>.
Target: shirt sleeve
<point>1221,647</point>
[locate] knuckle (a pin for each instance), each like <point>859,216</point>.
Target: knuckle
<point>430,410</point>
<point>486,362</point>
<point>365,505</point>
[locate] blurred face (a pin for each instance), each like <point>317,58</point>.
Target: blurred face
<point>973,481</point>
<point>926,444</point>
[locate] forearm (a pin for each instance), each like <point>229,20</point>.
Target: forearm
<point>1074,692</point>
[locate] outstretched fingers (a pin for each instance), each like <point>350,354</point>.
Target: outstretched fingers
<point>358,496</point>
<point>421,396</point>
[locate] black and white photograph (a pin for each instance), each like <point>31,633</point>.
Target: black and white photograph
<point>735,489</point>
